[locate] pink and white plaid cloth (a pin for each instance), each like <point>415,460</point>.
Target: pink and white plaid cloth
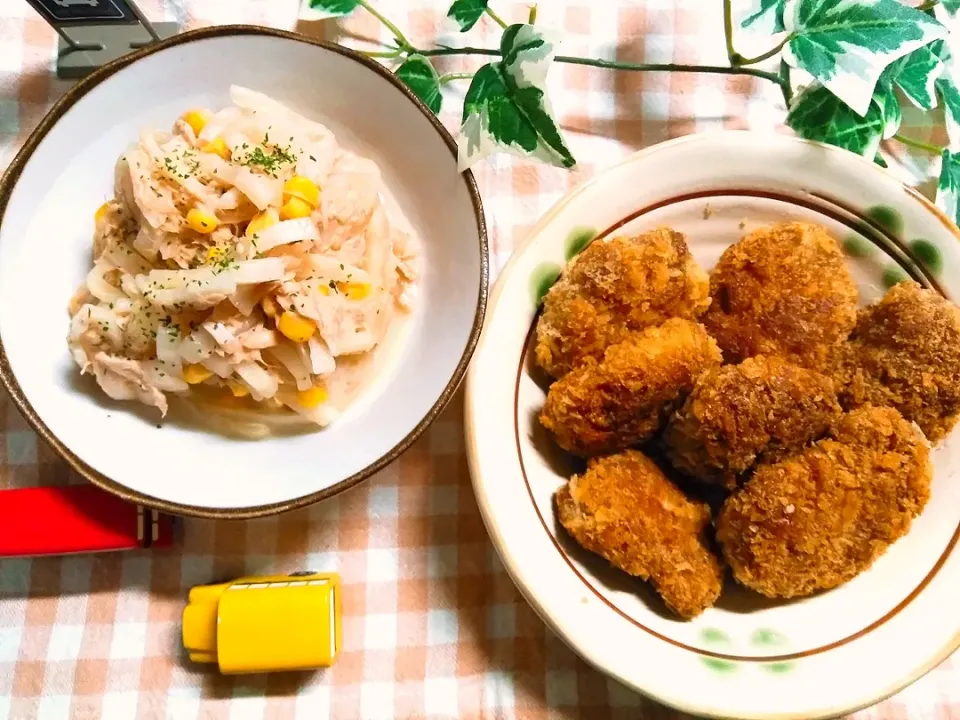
<point>433,627</point>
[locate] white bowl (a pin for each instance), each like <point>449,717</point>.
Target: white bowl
<point>746,657</point>
<point>65,171</point>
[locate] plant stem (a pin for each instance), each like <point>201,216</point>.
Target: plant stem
<point>918,144</point>
<point>767,55</point>
<point>447,77</point>
<point>532,15</point>
<point>400,37</point>
<point>732,55</point>
<point>785,86</point>
<point>382,53</point>
<point>614,65</point>
<point>496,18</point>
<point>928,5</point>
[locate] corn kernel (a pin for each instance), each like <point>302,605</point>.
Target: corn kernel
<point>218,147</point>
<point>261,221</point>
<point>312,397</point>
<point>202,221</point>
<point>302,188</point>
<point>355,290</point>
<point>238,389</point>
<point>213,254</point>
<point>295,208</point>
<point>195,374</point>
<point>296,327</point>
<point>196,119</point>
<point>269,307</point>
<point>101,212</point>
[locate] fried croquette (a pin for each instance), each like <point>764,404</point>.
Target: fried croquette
<point>764,407</point>
<point>613,287</point>
<point>624,399</point>
<point>820,517</point>
<point>783,290</point>
<point>905,352</point>
<point>624,509</point>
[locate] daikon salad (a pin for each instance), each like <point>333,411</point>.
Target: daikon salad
<point>247,263</point>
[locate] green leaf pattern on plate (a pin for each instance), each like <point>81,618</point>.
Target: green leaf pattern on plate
<point>928,254</point>
<point>886,217</point>
<point>818,114</point>
<point>856,246</point>
<point>847,45</point>
<point>467,12</point>
<point>892,276</point>
<point>577,240</point>
<point>506,108</point>
<point>543,278</point>
<point>419,75</point>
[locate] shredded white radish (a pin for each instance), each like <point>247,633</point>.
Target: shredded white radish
<point>194,264</point>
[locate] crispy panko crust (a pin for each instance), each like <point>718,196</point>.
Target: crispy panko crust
<point>626,510</point>
<point>822,516</point>
<point>627,397</point>
<point>613,287</point>
<point>782,290</point>
<point>764,407</point>
<point>905,352</point>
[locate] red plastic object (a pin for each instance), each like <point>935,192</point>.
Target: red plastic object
<point>76,519</point>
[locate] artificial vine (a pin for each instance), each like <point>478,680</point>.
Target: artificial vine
<point>845,67</point>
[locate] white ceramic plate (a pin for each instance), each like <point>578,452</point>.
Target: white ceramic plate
<point>65,172</point>
<point>746,657</point>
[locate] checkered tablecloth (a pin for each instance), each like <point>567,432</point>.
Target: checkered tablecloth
<point>433,627</point>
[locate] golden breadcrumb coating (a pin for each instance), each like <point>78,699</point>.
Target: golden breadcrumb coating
<point>613,287</point>
<point>820,517</point>
<point>623,400</point>
<point>764,407</point>
<point>626,510</point>
<point>782,290</point>
<point>905,352</point>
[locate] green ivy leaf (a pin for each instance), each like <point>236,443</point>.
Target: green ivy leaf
<point>319,9</point>
<point>765,7</point>
<point>948,187</point>
<point>888,103</point>
<point>951,6</point>
<point>506,107</point>
<point>467,12</point>
<point>418,74</point>
<point>847,45</point>
<point>818,114</point>
<point>916,75</point>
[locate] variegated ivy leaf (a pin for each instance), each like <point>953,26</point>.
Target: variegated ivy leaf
<point>889,105</point>
<point>952,7</point>
<point>506,107</point>
<point>916,75</point>
<point>847,45</point>
<point>322,9</point>
<point>766,6</point>
<point>467,12</point>
<point>418,74</point>
<point>948,188</point>
<point>818,114</point>
<point>948,88</point>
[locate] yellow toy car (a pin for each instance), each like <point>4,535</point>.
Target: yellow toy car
<point>265,624</point>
